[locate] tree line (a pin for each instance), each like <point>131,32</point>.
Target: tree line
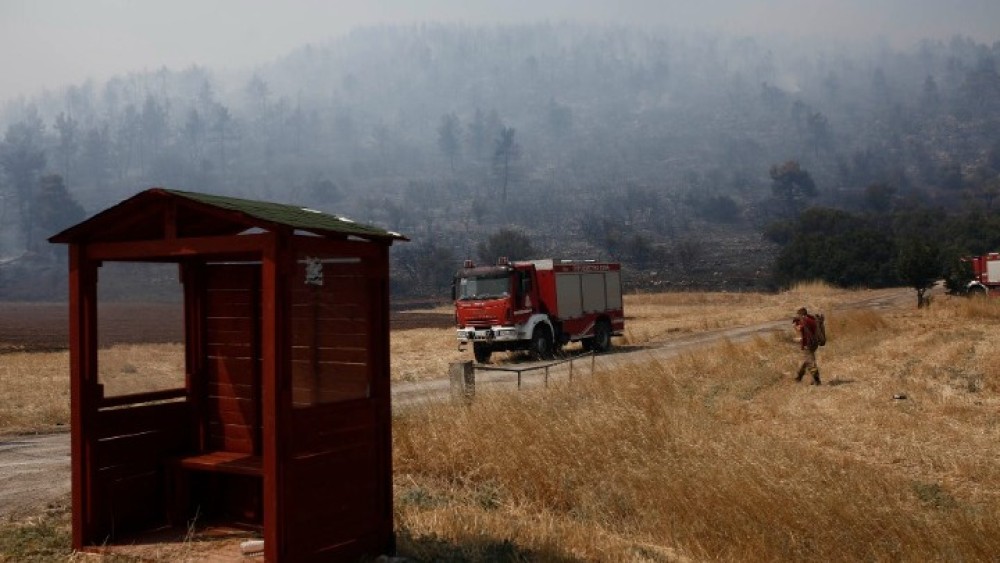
<point>648,146</point>
<point>912,246</point>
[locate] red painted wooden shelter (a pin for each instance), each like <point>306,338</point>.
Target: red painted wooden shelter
<point>283,422</point>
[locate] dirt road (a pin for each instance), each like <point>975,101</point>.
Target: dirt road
<point>34,469</point>
<point>34,472</point>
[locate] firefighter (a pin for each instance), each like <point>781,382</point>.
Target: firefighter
<point>805,327</point>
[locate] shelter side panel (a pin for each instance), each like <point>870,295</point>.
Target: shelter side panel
<point>132,444</point>
<point>334,496</point>
<point>331,331</point>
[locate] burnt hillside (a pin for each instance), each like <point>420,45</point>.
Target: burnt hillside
<point>664,150</point>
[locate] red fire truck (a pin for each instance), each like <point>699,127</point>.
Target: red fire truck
<point>538,305</point>
<point>985,274</point>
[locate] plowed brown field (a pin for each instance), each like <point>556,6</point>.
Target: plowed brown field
<point>44,327</point>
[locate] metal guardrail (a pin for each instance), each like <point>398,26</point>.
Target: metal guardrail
<point>521,370</point>
<point>463,374</point>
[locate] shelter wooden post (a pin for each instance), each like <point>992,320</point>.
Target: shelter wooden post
<point>193,278</point>
<point>274,299</point>
<point>383,392</point>
<point>83,376</point>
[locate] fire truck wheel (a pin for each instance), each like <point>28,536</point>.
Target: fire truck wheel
<point>977,291</point>
<point>541,343</point>
<point>602,337</point>
<point>482,352</point>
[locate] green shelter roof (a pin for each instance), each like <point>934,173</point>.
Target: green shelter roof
<point>212,215</point>
<point>290,215</point>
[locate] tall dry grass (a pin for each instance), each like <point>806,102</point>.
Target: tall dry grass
<point>34,387</point>
<point>424,353</point>
<point>124,369</point>
<point>714,454</point>
<point>719,455</point>
<point>34,391</point>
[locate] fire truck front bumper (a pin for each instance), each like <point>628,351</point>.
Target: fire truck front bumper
<point>494,334</point>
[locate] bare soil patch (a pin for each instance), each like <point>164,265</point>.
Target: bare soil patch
<point>406,320</point>
<point>44,327</point>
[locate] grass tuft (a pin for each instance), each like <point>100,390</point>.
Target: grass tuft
<point>985,308</point>
<point>41,538</point>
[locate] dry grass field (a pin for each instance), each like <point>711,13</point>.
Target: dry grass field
<point>720,455</point>
<point>716,454</point>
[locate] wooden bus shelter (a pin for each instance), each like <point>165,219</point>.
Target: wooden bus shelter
<point>283,423</point>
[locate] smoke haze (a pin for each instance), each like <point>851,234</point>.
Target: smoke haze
<point>50,43</point>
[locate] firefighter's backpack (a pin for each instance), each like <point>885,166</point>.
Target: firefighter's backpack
<point>820,329</point>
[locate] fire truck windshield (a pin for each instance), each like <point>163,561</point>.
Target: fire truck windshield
<point>483,287</point>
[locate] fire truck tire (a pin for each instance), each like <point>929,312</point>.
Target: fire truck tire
<point>541,342</point>
<point>482,352</point>
<point>602,337</point>
<point>977,291</point>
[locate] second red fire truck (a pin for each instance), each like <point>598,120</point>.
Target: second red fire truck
<point>985,274</point>
<point>538,305</point>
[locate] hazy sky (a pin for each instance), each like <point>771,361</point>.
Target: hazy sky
<point>53,43</point>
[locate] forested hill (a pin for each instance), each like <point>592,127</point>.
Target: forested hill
<point>669,151</point>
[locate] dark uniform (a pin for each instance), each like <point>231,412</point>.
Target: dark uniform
<point>805,325</point>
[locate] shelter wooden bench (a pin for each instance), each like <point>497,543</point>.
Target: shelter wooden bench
<point>222,462</point>
<point>217,462</point>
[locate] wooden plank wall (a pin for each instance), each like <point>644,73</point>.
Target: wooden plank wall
<point>331,332</point>
<point>130,449</point>
<point>335,491</point>
<point>232,346</point>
